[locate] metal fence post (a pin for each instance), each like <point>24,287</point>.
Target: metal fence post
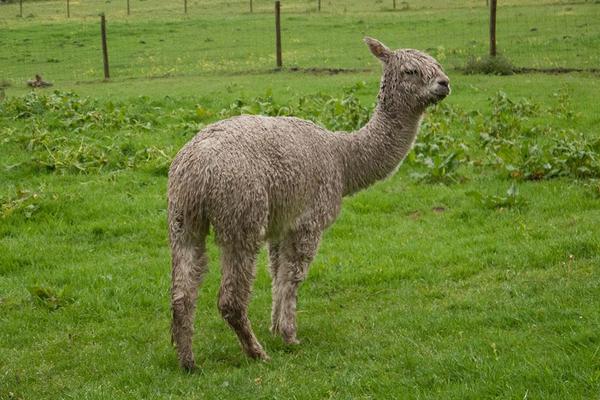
<point>278,33</point>
<point>493,28</point>
<point>104,45</point>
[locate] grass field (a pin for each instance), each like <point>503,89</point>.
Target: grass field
<point>471,274</point>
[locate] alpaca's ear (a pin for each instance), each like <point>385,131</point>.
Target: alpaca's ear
<point>378,49</point>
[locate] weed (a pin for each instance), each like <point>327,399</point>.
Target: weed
<point>63,133</point>
<point>512,199</point>
<point>438,149</point>
<point>67,134</point>
<point>570,155</point>
<point>338,114</point>
<point>497,65</point>
<point>24,202</point>
<point>593,188</point>
<point>49,298</point>
<point>575,155</point>
<point>439,169</point>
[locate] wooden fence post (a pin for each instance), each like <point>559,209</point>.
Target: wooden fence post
<point>21,8</point>
<point>394,4</point>
<point>278,33</point>
<point>104,46</point>
<point>128,8</point>
<point>250,5</point>
<point>68,10</point>
<point>493,28</point>
<point>319,5</point>
<point>185,6</point>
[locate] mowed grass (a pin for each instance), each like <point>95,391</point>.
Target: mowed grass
<point>418,290</point>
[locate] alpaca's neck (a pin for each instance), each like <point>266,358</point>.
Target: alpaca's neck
<point>376,150</point>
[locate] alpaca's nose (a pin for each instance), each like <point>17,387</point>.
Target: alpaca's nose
<point>443,82</point>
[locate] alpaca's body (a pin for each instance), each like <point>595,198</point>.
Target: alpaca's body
<point>281,180</point>
<point>288,169</point>
<point>284,167</point>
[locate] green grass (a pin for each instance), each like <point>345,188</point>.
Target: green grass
<point>418,291</point>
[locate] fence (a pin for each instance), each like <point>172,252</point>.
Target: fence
<point>152,38</point>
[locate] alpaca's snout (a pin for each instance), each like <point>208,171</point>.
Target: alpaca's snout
<point>442,87</point>
<point>444,82</point>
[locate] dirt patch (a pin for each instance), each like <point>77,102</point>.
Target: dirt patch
<point>324,71</point>
<point>557,70</point>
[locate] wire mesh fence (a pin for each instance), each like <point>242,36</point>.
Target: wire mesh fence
<point>152,38</point>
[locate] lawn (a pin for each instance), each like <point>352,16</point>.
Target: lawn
<point>472,273</point>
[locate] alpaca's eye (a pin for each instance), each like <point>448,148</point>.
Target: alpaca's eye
<point>410,72</point>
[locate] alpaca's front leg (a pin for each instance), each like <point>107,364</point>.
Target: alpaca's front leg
<point>296,252</point>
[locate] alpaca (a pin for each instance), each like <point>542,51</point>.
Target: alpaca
<point>281,180</point>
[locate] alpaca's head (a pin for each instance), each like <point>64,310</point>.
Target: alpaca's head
<point>411,79</point>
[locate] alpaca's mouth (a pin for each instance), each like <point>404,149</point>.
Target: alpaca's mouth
<point>437,96</point>
<point>441,93</point>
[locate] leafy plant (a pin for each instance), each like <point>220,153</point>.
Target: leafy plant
<point>438,150</point>
<point>65,134</point>
<point>439,169</point>
<point>512,199</point>
<point>343,114</point>
<point>571,155</point>
<point>593,187</point>
<point>24,202</point>
<point>49,298</point>
<point>489,65</point>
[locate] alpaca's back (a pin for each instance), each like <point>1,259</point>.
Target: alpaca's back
<point>255,169</point>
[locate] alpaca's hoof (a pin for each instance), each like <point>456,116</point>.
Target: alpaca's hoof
<point>186,360</point>
<point>264,357</point>
<point>288,334</point>
<point>187,364</point>
<point>259,354</point>
<point>291,340</point>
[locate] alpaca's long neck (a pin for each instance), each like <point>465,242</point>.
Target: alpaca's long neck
<point>376,150</point>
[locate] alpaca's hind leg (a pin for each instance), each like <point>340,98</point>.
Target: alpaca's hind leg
<point>238,271</point>
<point>189,266</point>
<point>274,261</point>
<point>296,253</point>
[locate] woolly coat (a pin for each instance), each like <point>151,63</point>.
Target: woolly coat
<point>254,177</point>
<point>281,179</point>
